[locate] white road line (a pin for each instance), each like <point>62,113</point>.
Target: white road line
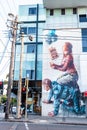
<point>26,126</point>
<point>14,126</point>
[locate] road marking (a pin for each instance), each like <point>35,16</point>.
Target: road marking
<point>14,126</point>
<point>26,126</point>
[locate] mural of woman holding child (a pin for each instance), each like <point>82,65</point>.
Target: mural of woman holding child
<point>64,89</point>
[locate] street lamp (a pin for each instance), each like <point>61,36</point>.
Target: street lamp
<point>30,38</point>
<point>11,15</point>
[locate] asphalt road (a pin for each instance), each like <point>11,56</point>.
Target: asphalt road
<point>31,126</point>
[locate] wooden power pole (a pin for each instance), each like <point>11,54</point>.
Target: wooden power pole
<point>18,115</point>
<point>11,68</point>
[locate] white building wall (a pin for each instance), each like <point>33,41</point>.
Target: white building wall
<point>70,24</point>
<point>24,13</point>
<point>83,71</point>
<point>62,22</point>
<point>69,20</point>
<point>64,35</point>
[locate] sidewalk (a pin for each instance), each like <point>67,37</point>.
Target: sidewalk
<point>80,120</point>
<point>57,120</point>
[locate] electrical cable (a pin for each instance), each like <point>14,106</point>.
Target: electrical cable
<point>14,4</point>
<point>3,8</point>
<point>3,44</point>
<point>9,6</point>
<point>4,51</point>
<point>5,66</point>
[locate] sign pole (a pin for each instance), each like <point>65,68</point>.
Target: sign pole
<point>27,82</point>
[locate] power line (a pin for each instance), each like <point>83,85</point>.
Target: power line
<point>3,44</point>
<point>9,6</point>
<point>5,66</point>
<point>59,37</point>
<point>4,50</point>
<point>2,16</point>
<point>3,8</point>
<point>14,4</point>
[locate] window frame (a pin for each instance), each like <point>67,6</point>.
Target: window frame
<point>31,48</point>
<point>24,30</point>
<point>32,11</point>
<point>84,39</point>
<point>63,11</point>
<point>82,18</point>
<point>74,10</point>
<point>32,30</point>
<point>51,12</point>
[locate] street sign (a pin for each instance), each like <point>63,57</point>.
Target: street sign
<point>85,94</point>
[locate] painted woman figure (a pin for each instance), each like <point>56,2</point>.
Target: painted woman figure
<point>67,66</point>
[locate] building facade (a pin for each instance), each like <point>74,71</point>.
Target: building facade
<point>51,25</point>
<point>65,22</point>
<point>31,22</point>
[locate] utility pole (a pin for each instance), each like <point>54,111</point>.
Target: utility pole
<point>20,79</point>
<point>11,67</point>
<point>27,83</point>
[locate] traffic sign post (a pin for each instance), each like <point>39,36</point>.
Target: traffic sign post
<point>85,95</point>
<point>1,87</point>
<point>27,83</point>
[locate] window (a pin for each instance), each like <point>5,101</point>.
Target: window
<point>31,48</point>
<point>51,12</point>
<point>84,40</point>
<point>39,70</point>
<point>74,11</point>
<point>83,18</point>
<point>62,11</point>
<point>39,62</point>
<point>31,73</point>
<point>32,11</point>
<point>24,30</point>
<point>31,30</point>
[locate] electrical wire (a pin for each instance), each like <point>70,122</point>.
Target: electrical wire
<point>9,6</point>
<point>5,66</point>
<point>2,16</point>
<point>4,52</point>
<point>14,4</point>
<point>3,8</point>
<point>3,44</point>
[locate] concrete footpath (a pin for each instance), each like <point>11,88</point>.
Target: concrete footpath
<point>78,120</point>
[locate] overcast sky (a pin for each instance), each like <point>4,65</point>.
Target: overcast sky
<point>8,6</point>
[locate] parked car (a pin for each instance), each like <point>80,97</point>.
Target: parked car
<point>14,109</point>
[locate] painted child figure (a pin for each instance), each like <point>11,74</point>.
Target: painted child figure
<point>61,94</point>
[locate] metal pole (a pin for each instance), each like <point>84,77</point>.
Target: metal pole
<point>18,115</point>
<point>27,82</point>
<point>11,68</point>
<point>86,106</point>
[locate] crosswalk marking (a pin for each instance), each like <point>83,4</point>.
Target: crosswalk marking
<point>26,125</point>
<point>14,126</point>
